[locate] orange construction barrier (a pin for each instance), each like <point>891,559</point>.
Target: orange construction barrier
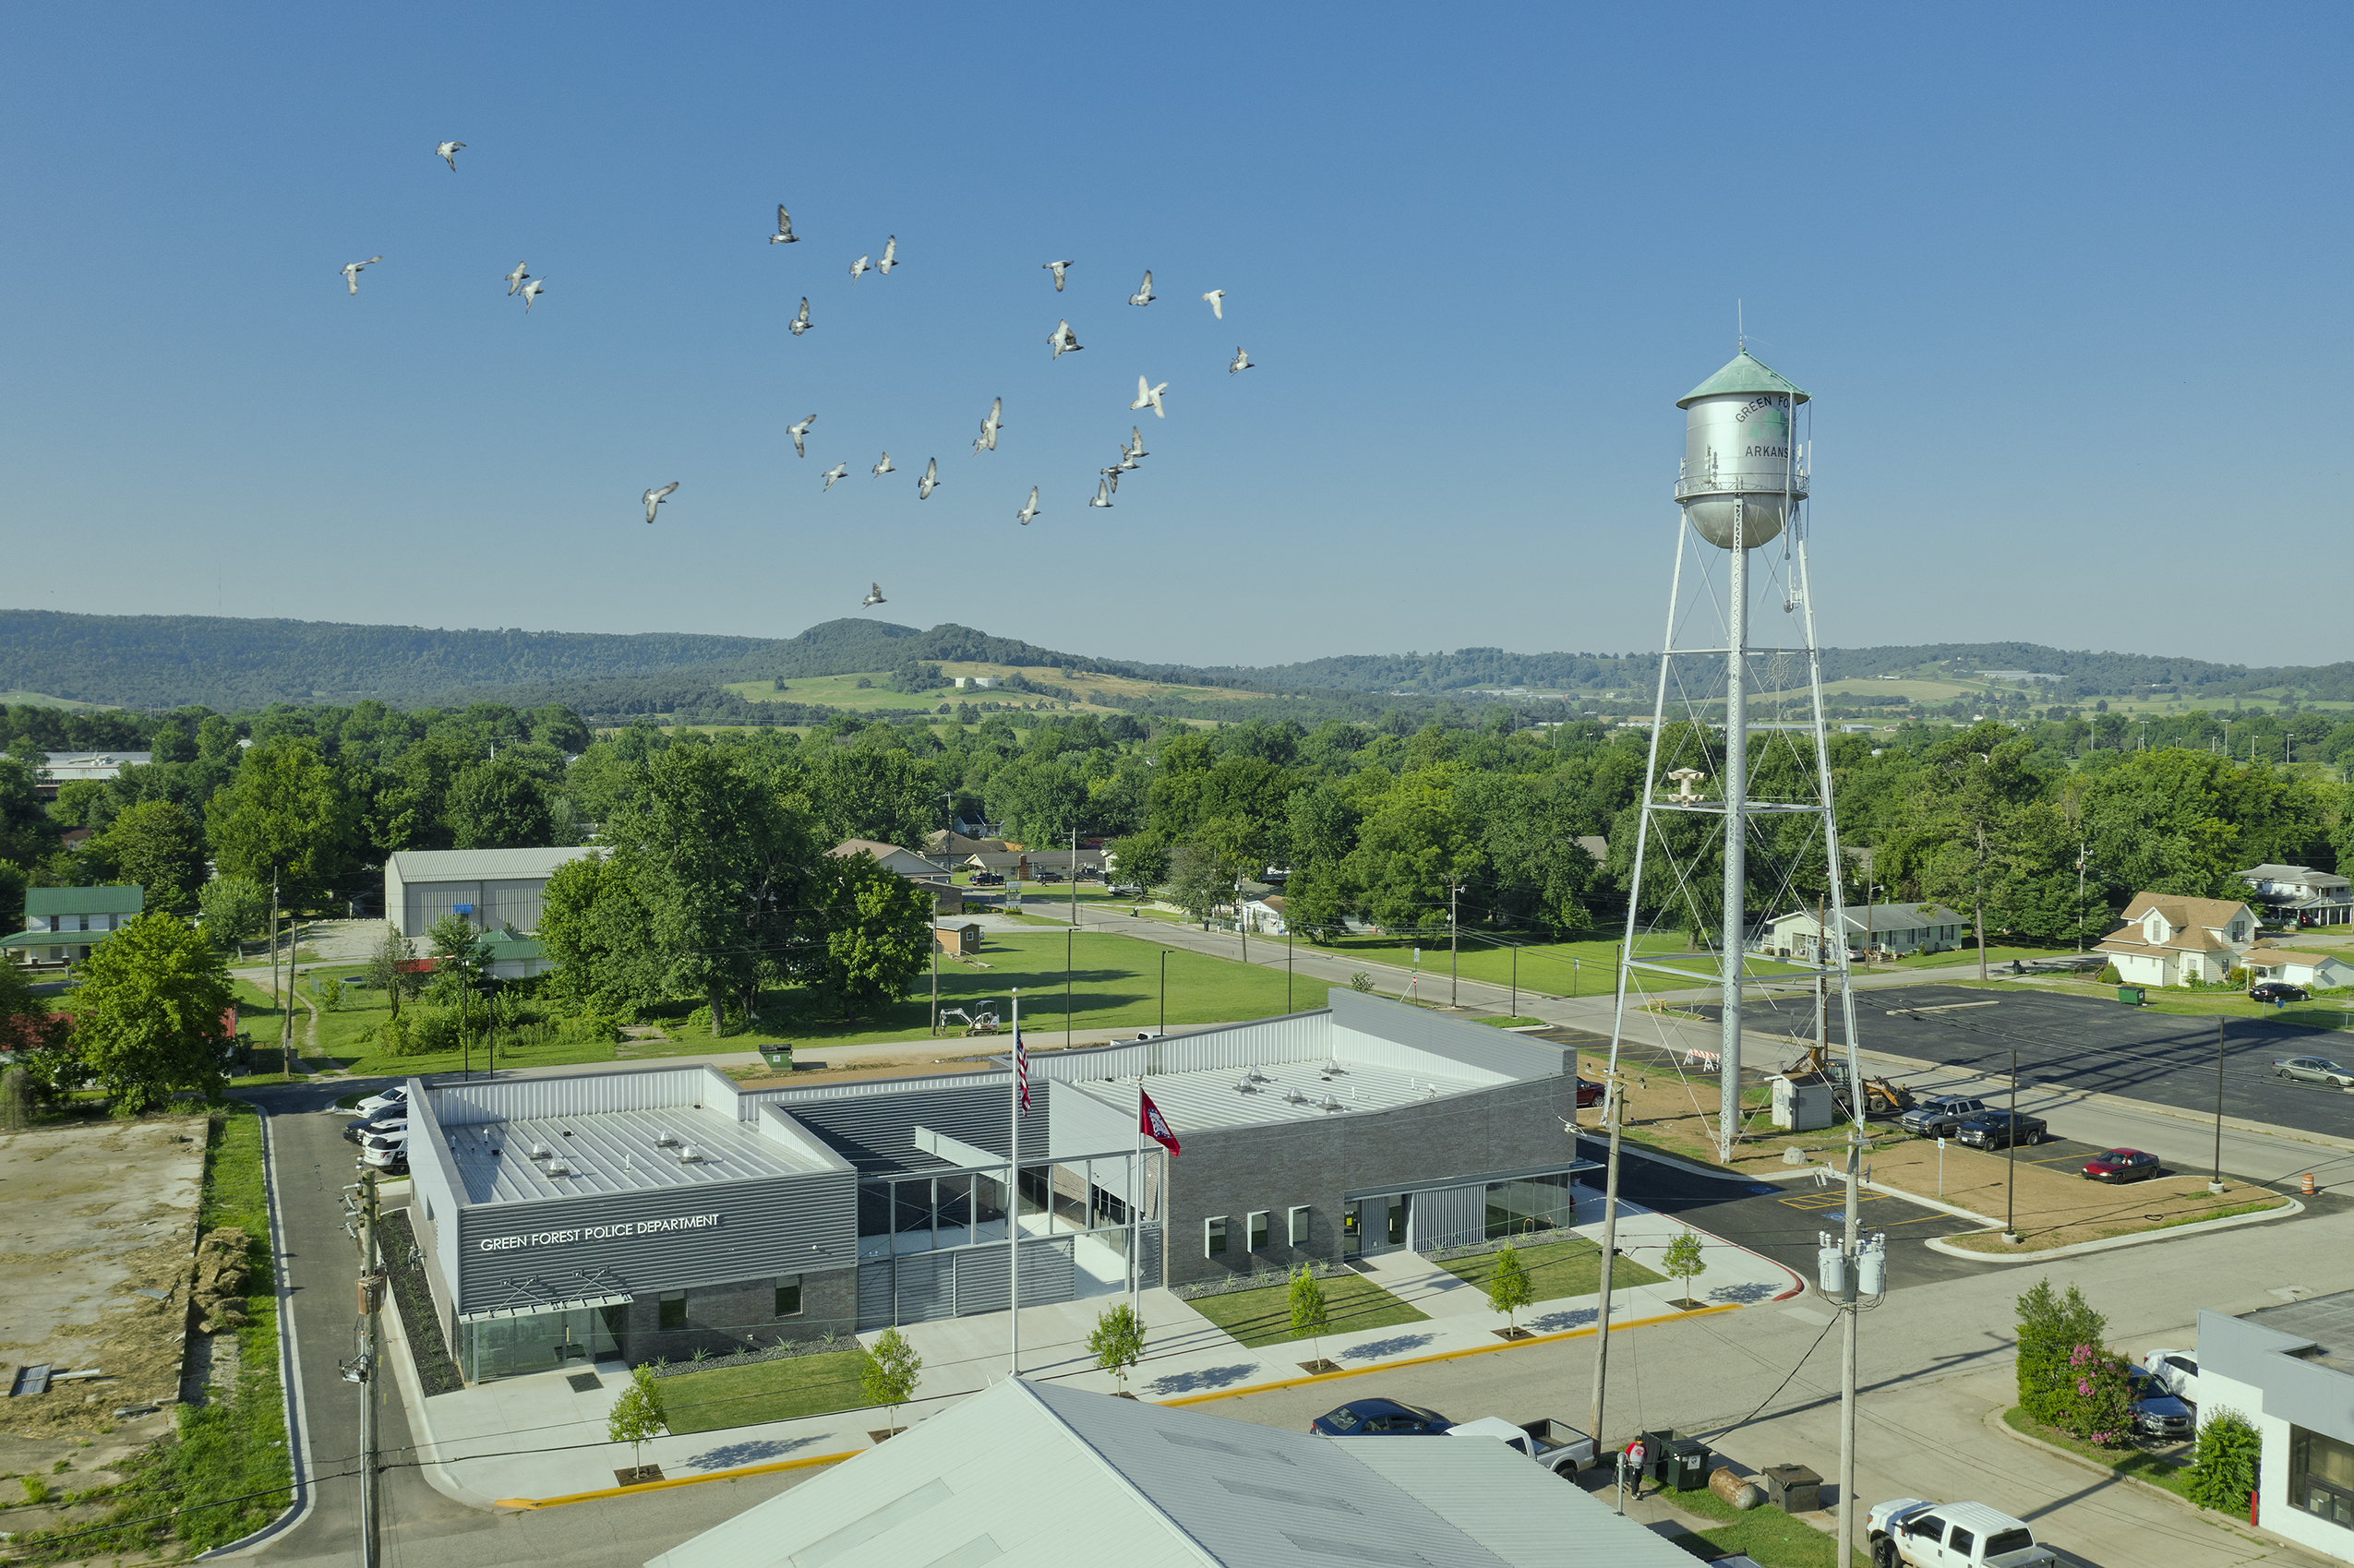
<point>2309,1187</point>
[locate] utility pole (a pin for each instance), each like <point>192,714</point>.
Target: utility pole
<point>1074,879</point>
<point>1162,1033</point>
<point>2080,898</point>
<point>2215,1184</point>
<point>283,997</point>
<point>935,985</point>
<point>371,1358</point>
<point>1612,1113</point>
<point>1454,894</point>
<point>1850,1286</point>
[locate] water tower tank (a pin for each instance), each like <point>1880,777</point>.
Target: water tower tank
<point>1737,453</point>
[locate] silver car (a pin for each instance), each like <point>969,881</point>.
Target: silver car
<point>2313,1070</point>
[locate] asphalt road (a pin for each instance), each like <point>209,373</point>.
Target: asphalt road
<point>2107,1047</point>
<point>310,1164</point>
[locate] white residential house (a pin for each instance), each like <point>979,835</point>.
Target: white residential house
<point>1263,917</point>
<point>2169,941</point>
<point>1883,927</point>
<point>2316,969</point>
<point>2300,895</point>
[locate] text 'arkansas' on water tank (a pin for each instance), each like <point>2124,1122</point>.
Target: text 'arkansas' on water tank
<point>1740,467</point>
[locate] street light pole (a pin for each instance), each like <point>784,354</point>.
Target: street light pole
<point>371,1363</point>
<point>1163,1032</point>
<point>1453,895</point>
<point>2215,1184</point>
<point>2010,1154</point>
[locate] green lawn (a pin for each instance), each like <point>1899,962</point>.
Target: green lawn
<point>1582,968</point>
<point>766,1391</point>
<point>1264,1317</point>
<point>1768,1535</point>
<point>1557,1269</point>
<point>1968,953</point>
<point>2133,1462</point>
<point>1510,1022</point>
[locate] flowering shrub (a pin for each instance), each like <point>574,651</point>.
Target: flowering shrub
<point>2096,1402</point>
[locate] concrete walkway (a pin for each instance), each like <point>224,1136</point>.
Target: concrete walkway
<point>537,1438</point>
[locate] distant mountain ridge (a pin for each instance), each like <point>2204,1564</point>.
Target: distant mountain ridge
<point>155,662</point>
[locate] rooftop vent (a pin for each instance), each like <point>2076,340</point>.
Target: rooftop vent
<point>1332,1102</point>
<point>558,1167</point>
<point>690,1155</point>
<point>666,1140</point>
<point>539,1150</point>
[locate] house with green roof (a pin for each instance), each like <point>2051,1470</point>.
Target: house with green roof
<point>63,924</point>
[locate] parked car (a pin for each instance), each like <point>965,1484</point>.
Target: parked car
<point>2313,1070</point>
<point>1951,1535</point>
<point>1126,889</point>
<point>376,1104</point>
<point>1940,1115</point>
<point>1589,1092</point>
<point>2001,1128</point>
<point>1366,1418</point>
<point>2158,1413</point>
<point>2177,1372</point>
<point>2277,991</point>
<point>2122,1165</point>
<point>393,1162</point>
<point>1557,1445</point>
<point>987,880</point>
<point>361,1130</point>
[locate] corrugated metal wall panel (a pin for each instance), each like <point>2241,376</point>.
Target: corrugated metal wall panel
<point>1445,1216</point>
<point>874,1296</point>
<point>434,1184</point>
<point>925,1287</point>
<point>518,1099</point>
<point>1299,1036</point>
<point>1084,1125</point>
<point>749,1104</point>
<point>876,1133</point>
<point>1412,1039</point>
<point>1148,1257</point>
<point>784,1225</point>
<point>512,902</point>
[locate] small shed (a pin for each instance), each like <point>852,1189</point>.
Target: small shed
<point>959,940</point>
<point>1803,1105</point>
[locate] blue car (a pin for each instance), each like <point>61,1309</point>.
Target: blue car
<point>1362,1417</point>
<point>2158,1413</point>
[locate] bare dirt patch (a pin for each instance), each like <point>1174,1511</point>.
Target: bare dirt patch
<point>97,1232</point>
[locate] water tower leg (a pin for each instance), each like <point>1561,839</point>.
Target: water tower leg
<point>1737,838</point>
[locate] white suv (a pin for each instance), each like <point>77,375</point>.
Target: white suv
<point>1951,1535</point>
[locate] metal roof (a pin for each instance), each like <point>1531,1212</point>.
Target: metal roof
<point>1743,373</point>
<point>1257,1097</point>
<point>125,900</point>
<point>479,865</point>
<point>613,1152</point>
<point>2327,1321</point>
<point>1047,1475</point>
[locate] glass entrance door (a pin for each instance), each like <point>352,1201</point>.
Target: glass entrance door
<point>1353,1232</point>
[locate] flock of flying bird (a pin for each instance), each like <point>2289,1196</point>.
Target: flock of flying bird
<point>1062,341</point>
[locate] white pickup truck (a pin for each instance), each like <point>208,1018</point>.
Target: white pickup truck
<point>1951,1535</point>
<point>1557,1445</point>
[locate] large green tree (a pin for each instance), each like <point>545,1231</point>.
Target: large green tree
<point>148,1016</point>
<point>161,847</point>
<point>598,933</point>
<point>876,928</point>
<point>498,804</point>
<point>285,817</point>
<point>236,910</point>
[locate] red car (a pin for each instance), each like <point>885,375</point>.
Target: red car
<point>1589,1092</point>
<point>2122,1165</point>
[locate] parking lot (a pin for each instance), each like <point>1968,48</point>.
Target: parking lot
<point>2106,1046</point>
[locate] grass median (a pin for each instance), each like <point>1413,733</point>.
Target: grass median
<point>1557,1269</point>
<point>766,1391</point>
<point>1258,1317</point>
<point>1769,1537</point>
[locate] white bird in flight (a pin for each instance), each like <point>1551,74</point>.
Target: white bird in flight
<point>990,426</point>
<point>1057,268</point>
<point>1127,462</point>
<point>653,498</point>
<point>1217,298</point>
<point>857,266</point>
<point>839,470</point>
<point>352,273</point>
<point>930,482</point>
<point>531,293</point>
<point>874,596</point>
<point>784,234</point>
<point>1136,443</point>
<point>1062,339</point>
<point>797,432</point>
<point>883,466</point>
<point>799,324</point>
<point>1103,494</point>
<point>1241,361</point>
<point>1149,396</point>
<point>1111,476</point>
<point>889,256</point>
<point>1143,295</point>
<point>1029,511</point>
<point>515,280</point>
<point>448,153</point>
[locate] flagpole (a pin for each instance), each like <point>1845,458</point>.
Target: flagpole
<point>1135,1204</point>
<point>1013,1199</point>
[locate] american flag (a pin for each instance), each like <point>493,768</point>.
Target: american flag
<point>1022,1072</point>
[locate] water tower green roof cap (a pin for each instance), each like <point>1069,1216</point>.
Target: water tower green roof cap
<point>1747,373</point>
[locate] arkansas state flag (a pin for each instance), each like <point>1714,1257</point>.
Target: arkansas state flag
<point>1151,1122</point>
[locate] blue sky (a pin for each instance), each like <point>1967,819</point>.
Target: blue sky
<point>2068,283</point>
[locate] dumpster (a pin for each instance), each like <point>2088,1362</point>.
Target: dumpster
<point>1675,1460</point>
<point>1794,1489</point>
<point>779,1058</point>
<point>2130,995</point>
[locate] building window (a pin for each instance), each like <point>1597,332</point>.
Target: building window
<point>788,1295</point>
<point>2321,1476</point>
<point>1214,1237</point>
<point>674,1309</point>
<point>1298,1234</point>
<point>1258,1230</point>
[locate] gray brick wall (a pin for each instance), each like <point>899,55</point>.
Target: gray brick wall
<point>1233,1172</point>
<point>721,1318</point>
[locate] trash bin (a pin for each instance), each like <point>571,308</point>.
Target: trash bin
<point>2130,995</point>
<point>1794,1489</point>
<point>1676,1461</point>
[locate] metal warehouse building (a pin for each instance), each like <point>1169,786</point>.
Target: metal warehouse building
<point>644,1214</point>
<point>494,887</point>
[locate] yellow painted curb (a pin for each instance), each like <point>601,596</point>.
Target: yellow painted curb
<point>681,1481</point>
<point>1447,1356</point>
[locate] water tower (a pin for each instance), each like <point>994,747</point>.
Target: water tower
<point>1740,634</point>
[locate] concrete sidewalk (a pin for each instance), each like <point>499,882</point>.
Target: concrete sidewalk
<point>531,1440</point>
